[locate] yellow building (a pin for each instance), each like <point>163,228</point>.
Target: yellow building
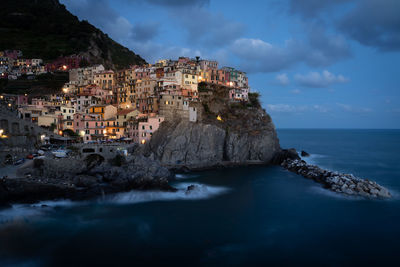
<point>145,88</point>
<point>106,111</point>
<point>105,80</point>
<point>124,115</point>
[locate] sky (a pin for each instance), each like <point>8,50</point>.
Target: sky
<point>316,63</point>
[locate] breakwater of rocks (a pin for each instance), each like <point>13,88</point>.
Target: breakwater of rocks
<point>338,182</point>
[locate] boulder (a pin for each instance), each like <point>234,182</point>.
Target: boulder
<point>304,154</point>
<point>285,154</point>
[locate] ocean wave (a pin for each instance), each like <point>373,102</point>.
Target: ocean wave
<point>24,211</point>
<point>18,211</point>
<point>201,191</point>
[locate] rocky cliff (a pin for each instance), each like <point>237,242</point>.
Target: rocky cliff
<point>77,179</point>
<point>245,134</point>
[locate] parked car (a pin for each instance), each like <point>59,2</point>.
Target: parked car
<point>19,161</point>
<point>60,153</point>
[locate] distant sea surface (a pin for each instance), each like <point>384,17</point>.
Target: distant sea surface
<point>240,216</point>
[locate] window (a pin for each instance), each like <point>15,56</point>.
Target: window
<point>143,127</point>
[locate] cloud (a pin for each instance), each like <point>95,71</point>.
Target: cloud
<point>100,14</point>
<point>349,108</point>
<point>374,23</point>
<point>282,79</point>
<point>317,50</point>
<point>172,3</point>
<point>205,28</point>
<point>295,91</point>
<point>145,31</point>
<point>319,80</point>
<point>285,108</point>
<point>311,8</point>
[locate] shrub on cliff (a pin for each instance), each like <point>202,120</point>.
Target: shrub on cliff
<point>254,100</point>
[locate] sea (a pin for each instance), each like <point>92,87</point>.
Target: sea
<point>252,216</point>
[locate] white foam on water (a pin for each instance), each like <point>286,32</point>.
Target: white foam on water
<point>56,203</point>
<point>18,211</point>
<point>24,211</point>
<point>180,176</point>
<point>201,191</point>
<point>313,158</point>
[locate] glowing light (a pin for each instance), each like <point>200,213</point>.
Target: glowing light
<point>64,67</point>
<point>42,137</point>
<point>1,97</point>
<point>60,132</point>
<point>143,141</point>
<point>9,104</point>
<point>1,132</point>
<point>104,131</point>
<point>219,118</point>
<point>65,90</point>
<point>82,133</point>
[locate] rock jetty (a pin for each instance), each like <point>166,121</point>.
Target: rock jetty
<point>338,182</point>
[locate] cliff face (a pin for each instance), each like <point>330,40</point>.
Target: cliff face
<point>46,29</point>
<point>245,135</point>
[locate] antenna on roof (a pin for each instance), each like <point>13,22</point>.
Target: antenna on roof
<point>197,59</point>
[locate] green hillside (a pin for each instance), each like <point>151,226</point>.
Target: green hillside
<point>46,29</point>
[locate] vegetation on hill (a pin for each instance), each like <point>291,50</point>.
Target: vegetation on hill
<point>49,83</point>
<point>46,29</point>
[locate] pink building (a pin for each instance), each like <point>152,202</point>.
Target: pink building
<point>90,127</point>
<point>22,100</point>
<point>142,131</point>
<point>239,94</point>
<point>94,90</point>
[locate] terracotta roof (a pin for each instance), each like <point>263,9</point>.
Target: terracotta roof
<point>125,111</point>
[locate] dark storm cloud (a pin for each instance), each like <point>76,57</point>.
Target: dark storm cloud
<point>100,14</point>
<point>208,29</point>
<point>318,49</point>
<point>179,3</point>
<point>145,31</point>
<point>311,8</point>
<point>171,3</point>
<point>374,23</point>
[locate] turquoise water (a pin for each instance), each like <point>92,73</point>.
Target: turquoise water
<point>240,216</point>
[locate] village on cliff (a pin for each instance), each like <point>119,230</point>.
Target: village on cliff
<point>100,105</point>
